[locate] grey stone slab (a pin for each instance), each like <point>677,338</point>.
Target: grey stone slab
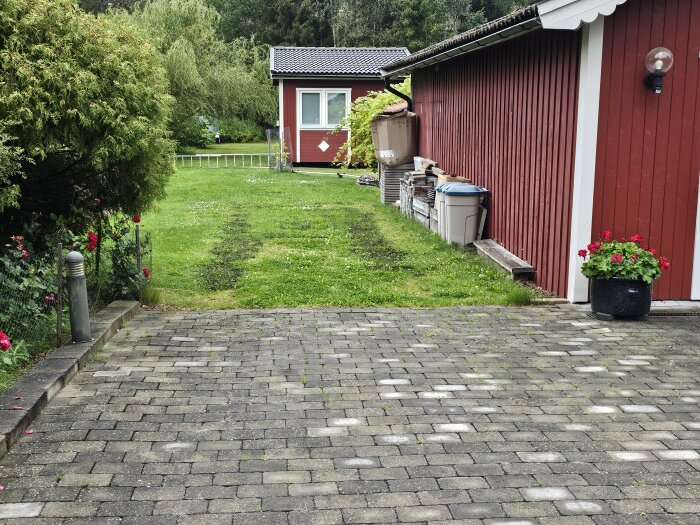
<point>20,510</point>
<point>546,493</point>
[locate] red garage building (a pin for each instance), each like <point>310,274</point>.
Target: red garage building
<point>316,86</point>
<point>551,110</point>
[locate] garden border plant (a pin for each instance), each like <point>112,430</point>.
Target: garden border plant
<point>29,285</point>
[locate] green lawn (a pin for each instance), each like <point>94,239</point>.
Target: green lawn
<point>250,147</point>
<point>255,238</point>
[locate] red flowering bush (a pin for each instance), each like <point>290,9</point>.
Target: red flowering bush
<point>146,273</point>
<point>625,259</point>
<point>5,343</point>
<point>93,241</point>
<point>12,356</point>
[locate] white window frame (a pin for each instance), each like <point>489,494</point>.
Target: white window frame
<point>323,95</point>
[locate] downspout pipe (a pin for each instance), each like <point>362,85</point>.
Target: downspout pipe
<point>390,89</point>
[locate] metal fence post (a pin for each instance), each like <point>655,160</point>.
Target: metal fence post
<point>77,291</point>
<point>269,150</point>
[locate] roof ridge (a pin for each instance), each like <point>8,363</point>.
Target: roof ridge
<point>390,48</point>
<point>519,16</point>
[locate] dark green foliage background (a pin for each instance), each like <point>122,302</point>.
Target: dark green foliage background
<point>411,23</point>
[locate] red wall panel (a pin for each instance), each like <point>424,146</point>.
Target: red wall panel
<point>648,156</point>
<point>360,88</point>
<point>506,118</point>
<point>310,139</point>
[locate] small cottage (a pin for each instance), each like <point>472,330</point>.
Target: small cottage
<point>579,116</point>
<point>316,86</point>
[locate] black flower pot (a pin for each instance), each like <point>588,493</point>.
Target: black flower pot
<point>620,297</point>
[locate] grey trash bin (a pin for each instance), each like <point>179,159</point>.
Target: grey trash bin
<point>458,211</point>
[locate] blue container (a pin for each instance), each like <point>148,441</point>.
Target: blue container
<point>461,189</point>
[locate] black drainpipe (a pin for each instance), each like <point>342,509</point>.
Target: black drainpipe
<point>387,85</point>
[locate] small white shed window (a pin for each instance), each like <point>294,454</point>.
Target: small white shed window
<point>311,109</point>
<point>336,107</point>
<point>322,108</point>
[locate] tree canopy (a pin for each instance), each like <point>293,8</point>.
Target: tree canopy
<point>411,23</point>
<point>215,52</point>
<point>84,101</point>
<point>212,81</point>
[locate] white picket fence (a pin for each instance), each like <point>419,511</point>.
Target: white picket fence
<point>227,160</point>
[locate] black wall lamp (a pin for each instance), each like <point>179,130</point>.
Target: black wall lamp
<point>658,61</point>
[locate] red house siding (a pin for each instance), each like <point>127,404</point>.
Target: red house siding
<point>506,118</point>
<point>309,139</point>
<point>648,156</point>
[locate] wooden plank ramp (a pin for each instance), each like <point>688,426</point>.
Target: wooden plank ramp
<point>518,269</point>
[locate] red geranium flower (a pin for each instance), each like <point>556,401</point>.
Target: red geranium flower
<point>637,238</point>
<point>136,219</point>
<point>616,258</point>
<point>652,251</point>
<point>582,253</point>
<point>593,247</point>
<point>25,254</point>
<point>634,257</point>
<point>146,273</point>
<point>607,235</point>
<point>664,263</point>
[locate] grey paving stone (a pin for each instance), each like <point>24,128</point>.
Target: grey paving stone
<point>476,510</point>
<point>502,415</point>
<point>287,477</point>
<point>357,463</point>
<point>369,516</point>
<point>546,493</point>
<point>582,507</point>
<point>20,510</point>
<point>316,517</point>
<point>424,513</point>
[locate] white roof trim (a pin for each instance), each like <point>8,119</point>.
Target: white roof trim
<point>572,14</point>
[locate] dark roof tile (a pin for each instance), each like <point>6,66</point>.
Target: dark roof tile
<point>332,61</point>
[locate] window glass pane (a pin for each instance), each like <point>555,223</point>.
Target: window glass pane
<point>311,109</point>
<point>336,107</point>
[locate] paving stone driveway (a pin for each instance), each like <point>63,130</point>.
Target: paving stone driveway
<point>469,416</point>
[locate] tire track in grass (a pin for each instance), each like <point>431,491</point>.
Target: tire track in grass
<point>367,240</point>
<point>238,244</point>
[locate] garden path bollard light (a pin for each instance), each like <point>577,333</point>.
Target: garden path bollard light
<point>77,292</point>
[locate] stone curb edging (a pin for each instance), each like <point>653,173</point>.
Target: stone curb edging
<point>48,377</point>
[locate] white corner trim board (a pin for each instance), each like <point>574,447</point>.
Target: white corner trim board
<point>280,88</point>
<point>695,283</point>
<point>585,161</point>
<point>571,14</point>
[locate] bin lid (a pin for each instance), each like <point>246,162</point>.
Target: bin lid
<point>462,189</point>
<point>443,187</point>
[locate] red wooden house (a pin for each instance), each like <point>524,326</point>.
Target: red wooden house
<point>551,110</point>
<point>316,86</point>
